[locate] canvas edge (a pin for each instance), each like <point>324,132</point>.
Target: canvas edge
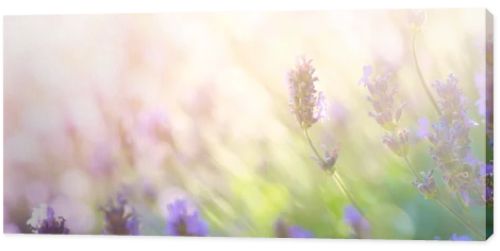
<point>489,33</point>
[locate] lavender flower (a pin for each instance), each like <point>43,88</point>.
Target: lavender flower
<point>359,225</point>
<point>120,218</point>
<point>397,142</point>
<point>181,221</point>
<point>423,129</point>
<point>309,106</point>
<point>283,230</point>
<point>305,102</point>
<point>329,159</point>
<point>43,221</point>
<point>427,186</point>
<point>452,102</point>
<point>386,110</point>
<point>450,141</point>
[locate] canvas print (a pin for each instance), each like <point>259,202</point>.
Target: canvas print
<point>373,124</point>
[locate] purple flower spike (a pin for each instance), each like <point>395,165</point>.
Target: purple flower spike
<point>43,221</point>
<point>357,222</point>
<point>306,102</point>
<point>283,230</point>
<point>450,141</point>
<point>298,232</point>
<point>387,110</point>
<point>120,218</point>
<point>181,221</point>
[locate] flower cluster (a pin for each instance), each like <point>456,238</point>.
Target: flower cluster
<point>284,230</point>
<point>184,221</point>
<point>386,110</point>
<point>120,218</point>
<point>450,148</point>
<point>44,221</point>
<point>309,106</point>
<point>305,102</point>
<point>330,157</point>
<point>357,222</point>
<point>427,186</point>
<point>397,142</point>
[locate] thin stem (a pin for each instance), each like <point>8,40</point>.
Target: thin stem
<point>421,76</point>
<point>335,176</point>
<point>413,170</point>
<point>318,156</point>
<point>471,228</point>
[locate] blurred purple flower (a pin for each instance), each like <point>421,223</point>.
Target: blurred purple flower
<point>456,237</point>
<point>101,160</point>
<point>397,142</point>
<point>305,102</point>
<point>338,114</point>
<point>120,218</point>
<point>155,124</point>
<point>283,230</point>
<point>450,148</point>
<point>487,169</point>
<point>298,232</point>
<point>44,221</point>
<point>181,221</point>
<point>427,186</point>
<point>386,111</point>
<point>359,225</point>
<point>423,129</point>
<point>330,157</point>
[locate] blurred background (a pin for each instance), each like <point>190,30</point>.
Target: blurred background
<point>195,105</point>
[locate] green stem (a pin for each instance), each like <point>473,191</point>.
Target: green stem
<point>421,76</point>
<point>335,176</point>
<point>469,226</point>
<point>311,144</point>
<point>413,170</point>
<point>340,183</point>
